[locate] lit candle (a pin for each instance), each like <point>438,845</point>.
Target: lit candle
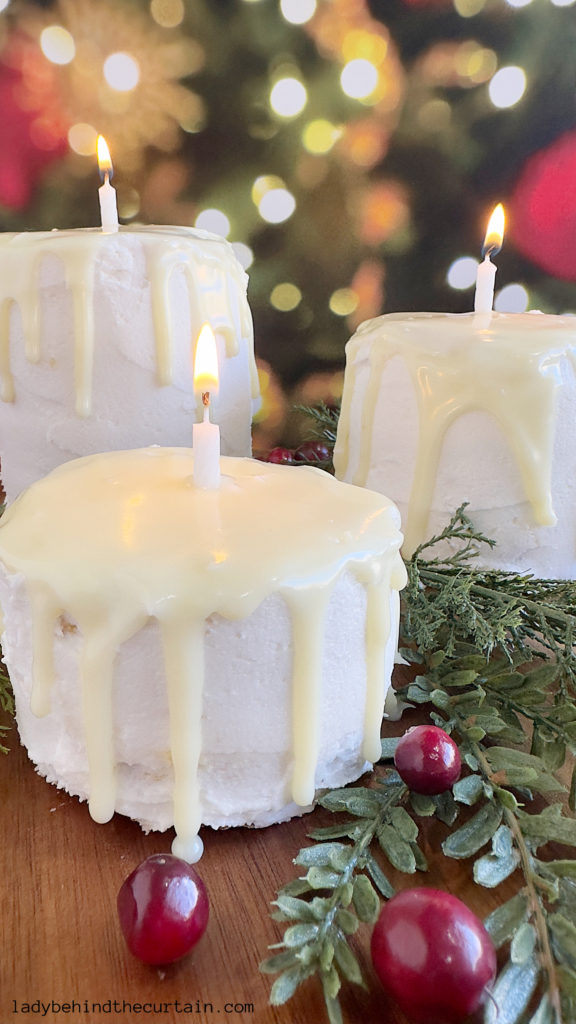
<point>206,435</point>
<point>484,297</point>
<point>106,194</point>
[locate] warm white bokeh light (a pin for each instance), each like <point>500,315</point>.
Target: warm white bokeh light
<point>320,135</point>
<point>122,72</point>
<point>82,138</point>
<point>243,254</point>
<point>57,44</point>
<point>518,3</point>
<point>298,12</point>
<point>359,78</point>
<point>344,301</point>
<point>288,97</point>
<point>167,13</point>
<point>213,220</point>
<point>507,86</point>
<point>462,273</point>
<point>285,297</point>
<point>3,5</point>
<point>277,205</point>
<point>512,299</point>
<point>562,3</point>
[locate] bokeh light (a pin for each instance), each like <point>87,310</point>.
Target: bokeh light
<point>288,97</point>
<point>57,44</point>
<point>468,8</point>
<point>512,299</point>
<point>167,13</point>
<point>285,297</point>
<point>320,135</point>
<point>562,3</point>
<point>298,12</point>
<point>520,3</point>
<point>462,273</point>
<point>507,86</point>
<point>359,78</point>
<point>244,254</point>
<point>3,5</point>
<point>213,220</point>
<point>277,205</point>
<point>82,139</point>
<point>122,72</point>
<point>344,301</point>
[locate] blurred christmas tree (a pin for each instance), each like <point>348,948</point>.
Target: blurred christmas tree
<point>352,149</point>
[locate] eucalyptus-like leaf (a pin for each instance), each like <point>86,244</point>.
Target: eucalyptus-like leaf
<point>503,922</point>
<point>545,1013</point>
<point>422,805</point>
<point>326,956</point>
<point>331,982</point>
<point>347,962</point>
<point>389,745</point>
<point>563,934</point>
<point>286,984</point>
<point>512,992</point>
<point>398,851</point>
<point>468,790</point>
<point>323,878</point>
<point>446,807</point>
<point>347,921</point>
<point>523,943</point>
<point>298,934</point>
<point>293,909</point>
<point>404,824</point>
<point>334,1010</point>
<point>379,878</point>
<point>491,869</point>
<point>358,801</point>
<point>318,856</point>
<point>548,826</point>
<point>365,899</point>
<point>475,833</point>
<point>459,677</point>
<point>279,962</point>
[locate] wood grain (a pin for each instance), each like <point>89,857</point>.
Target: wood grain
<point>61,939</point>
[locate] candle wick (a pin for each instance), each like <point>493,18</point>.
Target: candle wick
<point>206,404</point>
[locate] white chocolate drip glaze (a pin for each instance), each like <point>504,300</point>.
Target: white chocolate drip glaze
<point>167,249</point>
<point>502,364</point>
<point>112,541</point>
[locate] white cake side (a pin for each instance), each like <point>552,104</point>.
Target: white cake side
<point>246,763</point>
<point>108,323</point>
<point>186,655</point>
<point>482,459</point>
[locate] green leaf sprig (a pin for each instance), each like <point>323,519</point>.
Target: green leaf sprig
<point>469,634</point>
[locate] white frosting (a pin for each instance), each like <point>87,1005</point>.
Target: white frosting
<point>96,341</point>
<point>199,656</point>
<point>444,408</point>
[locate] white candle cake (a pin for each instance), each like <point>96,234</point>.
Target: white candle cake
<point>439,409</point>
<point>96,341</point>
<point>184,655</point>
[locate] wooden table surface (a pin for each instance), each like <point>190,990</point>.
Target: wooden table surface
<point>61,940</point>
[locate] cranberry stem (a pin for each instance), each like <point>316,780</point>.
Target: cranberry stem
<point>538,915</point>
<point>339,897</point>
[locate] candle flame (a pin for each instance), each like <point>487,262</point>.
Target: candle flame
<point>206,377</point>
<point>494,232</point>
<point>104,161</point>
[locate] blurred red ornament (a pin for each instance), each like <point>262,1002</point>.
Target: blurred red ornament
<point>543,208</point>
<point>32,129</point>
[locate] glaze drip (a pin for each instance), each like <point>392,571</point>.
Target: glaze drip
<point>163,549</point>
<point>505,365</point>
<point>216,288</point>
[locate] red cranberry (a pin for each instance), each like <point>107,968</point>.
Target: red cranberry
<point>427,759</point>
<point>313,451</point>
<point>281,456</point>
<point>433,956</point>
<point>163,909</point>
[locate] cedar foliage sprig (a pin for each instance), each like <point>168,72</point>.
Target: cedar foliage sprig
<point>468,633</point>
